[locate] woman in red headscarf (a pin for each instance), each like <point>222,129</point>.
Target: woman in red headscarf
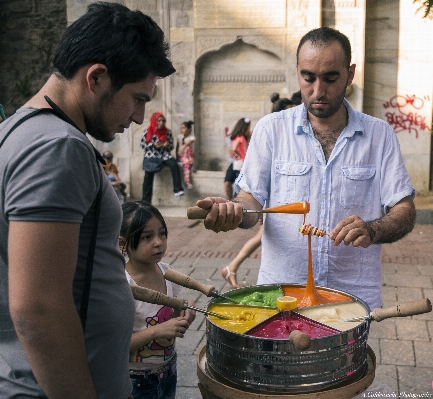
<point>157,142</point>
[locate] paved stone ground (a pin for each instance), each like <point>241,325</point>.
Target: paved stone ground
<point>403,347</point>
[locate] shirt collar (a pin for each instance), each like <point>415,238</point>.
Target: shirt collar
<point>354,125</point>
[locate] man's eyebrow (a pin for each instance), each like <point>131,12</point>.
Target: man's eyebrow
<point>329,73</point>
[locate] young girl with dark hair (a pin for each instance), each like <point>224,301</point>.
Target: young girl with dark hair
<point>152,358</point>
<point>185,150</point>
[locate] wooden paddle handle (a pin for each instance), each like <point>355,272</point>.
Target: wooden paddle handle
<point>151,296</point>
<point>405,309</point>
<point>300,340</point>
<point>196,212</point>
<point>188,282</point>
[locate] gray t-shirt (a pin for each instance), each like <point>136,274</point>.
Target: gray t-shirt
<point>48,172</point>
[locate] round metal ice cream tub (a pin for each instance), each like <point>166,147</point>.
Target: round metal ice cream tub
<point>276,366</point>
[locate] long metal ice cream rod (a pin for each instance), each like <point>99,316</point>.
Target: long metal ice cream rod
<point>196,212</point>
<point>186,281</point>
<point>207,312</point>
<point>405,309</point>
<point>151,296</point>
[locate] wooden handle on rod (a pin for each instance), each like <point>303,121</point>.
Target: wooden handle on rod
<point>188,282</point>
<point>196,212</point>
<point>300,340</point>
<point>151,296</point>
<point>402,310</point>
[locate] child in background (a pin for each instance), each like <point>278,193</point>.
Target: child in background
<point>240,137</point>
<point>186,151</point>
<point>113,175</point>
<point>152,359</point>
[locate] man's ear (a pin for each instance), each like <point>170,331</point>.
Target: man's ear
<point>97,78</point>
<point>351,74</point>
<point>122,245</point>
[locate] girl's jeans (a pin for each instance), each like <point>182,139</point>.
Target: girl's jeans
<point>147,385</point>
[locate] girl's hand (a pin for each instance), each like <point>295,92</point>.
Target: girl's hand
<point>189,314</point>
<point>172,328</point>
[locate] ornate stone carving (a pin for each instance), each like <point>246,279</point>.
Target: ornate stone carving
<point>205,44</point>
<point>274,44</point>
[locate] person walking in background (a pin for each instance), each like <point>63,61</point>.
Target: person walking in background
<point>152,357</point>
<point>66,309</point>
<point>230,176</point>
<point>240,137</point>
<point>185,151</point>
<point>229,272</point>
<point>157,142</point>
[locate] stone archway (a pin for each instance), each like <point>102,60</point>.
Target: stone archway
<point>231,83</point>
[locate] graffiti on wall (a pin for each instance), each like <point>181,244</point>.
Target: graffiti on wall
<point>404,113</point>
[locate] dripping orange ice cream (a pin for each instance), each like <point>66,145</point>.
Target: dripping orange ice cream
<point>311,295</point>
<point>299,292</point>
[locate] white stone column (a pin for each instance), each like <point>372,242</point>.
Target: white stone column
<point>410,111</point>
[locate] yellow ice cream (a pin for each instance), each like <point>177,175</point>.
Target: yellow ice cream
<point>243,318</point>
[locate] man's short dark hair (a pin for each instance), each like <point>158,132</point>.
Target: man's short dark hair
<point>129,43</point>
<point>326,35</point>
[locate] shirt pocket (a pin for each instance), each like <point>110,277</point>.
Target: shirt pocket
<point>292,182</point>
<point>356,185</point>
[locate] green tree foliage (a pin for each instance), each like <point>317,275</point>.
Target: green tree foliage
<point>427,5</point>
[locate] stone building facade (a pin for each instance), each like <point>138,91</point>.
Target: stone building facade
<point>231,55</point>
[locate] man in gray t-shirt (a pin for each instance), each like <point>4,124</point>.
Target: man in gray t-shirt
<point>50,177</point>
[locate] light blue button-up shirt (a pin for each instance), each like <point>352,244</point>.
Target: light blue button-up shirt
<point>364,176</point>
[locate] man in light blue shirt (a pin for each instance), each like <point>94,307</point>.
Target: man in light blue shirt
<point>346,164</point>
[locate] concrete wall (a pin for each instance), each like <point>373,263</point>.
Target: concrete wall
<point>29,33</point>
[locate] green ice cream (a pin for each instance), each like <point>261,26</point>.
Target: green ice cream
<point>261,298</point>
